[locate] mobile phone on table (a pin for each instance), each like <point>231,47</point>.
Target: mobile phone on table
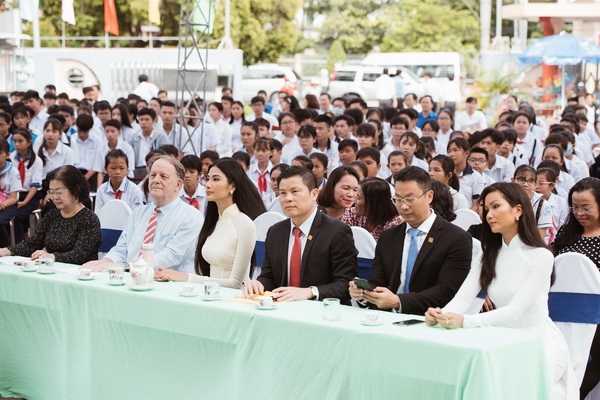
<point>408,322</point>
<point>364,284</point>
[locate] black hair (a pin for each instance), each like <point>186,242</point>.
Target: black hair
<point>73,180</point>
<point>491,242</point>
<point>369,152</point>
<point>191,161</point>
<point>442,203</point>
<point>308,178</point>
<point>242,156</point>
<point>27,136</point>
<point>449,168</point>
<point>113,154</point>
<point>416,174</point>
<point>326,195</point>
<point>379,208</point>
<point>245,196</point>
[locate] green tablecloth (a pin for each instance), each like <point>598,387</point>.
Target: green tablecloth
<point>61,338</point>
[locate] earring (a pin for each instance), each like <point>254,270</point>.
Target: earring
<point>516,217</point>
<point>231,192</point>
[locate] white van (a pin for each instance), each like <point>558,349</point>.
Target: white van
<point>440,65</point>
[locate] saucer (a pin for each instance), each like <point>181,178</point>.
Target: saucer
<point>211,298</point>
<point>371,323</point>
<point>188,294</point>
<point>27,268</point>
<point>259,307</point>
<point>116,283</point>
<point>140,288</point>
<point>85,278</point>
<point>45,271</point>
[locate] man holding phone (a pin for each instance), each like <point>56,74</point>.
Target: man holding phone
<point>418,264</point>
<point>309,256</point>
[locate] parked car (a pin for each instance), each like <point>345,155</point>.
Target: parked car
<point>359,81</point>
<point>270,78</point>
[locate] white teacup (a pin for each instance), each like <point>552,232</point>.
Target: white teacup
<point>265,302</point>
<point>84,273</point>
<point>188,290</point>
<point>115,274</point>
<point>371,317</point>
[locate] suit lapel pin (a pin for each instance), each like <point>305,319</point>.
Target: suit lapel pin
<point>309,237</point>
<point>430,240</point>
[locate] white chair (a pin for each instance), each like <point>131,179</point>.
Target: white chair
<point>262,223</point>
<point>365,244</point>
<point>465,218</point>
<point>574,305</point>
<point>112,220</point>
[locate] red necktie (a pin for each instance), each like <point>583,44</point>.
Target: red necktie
<point>193,202</point>
<point>22,169</point>
<point>262,182</point>
<point>150,229</point>
<point>519,142</point>
<point>118,195</point>
<point>296,259</point>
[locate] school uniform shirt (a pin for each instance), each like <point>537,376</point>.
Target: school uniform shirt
<point>583,148</point>
<point>530,148</point>
<point>127,192</point>
<point>560,210</point>
<point>199,197</point>
<point>565,181</point>
<point>37,122</point>
<point>272,120</point>
<point>576,169</point>
<point>10,181</point>
<point>471,122</point>
<point>443,138</point>
<point>487,180</point>
<point>544,220</point>
<point>62,155</point>
<point>459,200</point>
<point>417,162</point>
<point>88,153</point>
<point>502,170</point>
<point>331,151</point>
<point>33,174</point>
<point>471,184</point>
<point>254,174</point>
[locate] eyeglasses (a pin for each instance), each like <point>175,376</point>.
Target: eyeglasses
<point>477,160</point>
<point>408,200</point>
<point>56,193</point>
<point>523,181</point>
<point>585,209</point>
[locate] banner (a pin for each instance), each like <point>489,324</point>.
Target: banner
<point>154,12</point>
<point>68,12</point>
<point>111,23</point>
<point>29,9</point>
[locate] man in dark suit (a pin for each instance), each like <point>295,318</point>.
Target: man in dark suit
<point>421,263</point>
<point>310,255</point>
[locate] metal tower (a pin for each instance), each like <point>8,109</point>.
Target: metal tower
<point>192,67</point>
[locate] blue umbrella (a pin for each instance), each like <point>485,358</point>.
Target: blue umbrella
<point>562,49</point>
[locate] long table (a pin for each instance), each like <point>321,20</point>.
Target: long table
<point>61,339</point>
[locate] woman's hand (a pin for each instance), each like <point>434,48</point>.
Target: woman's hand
<point>4,252</point>
<point>165,274</point>
<point>41,253</point>
<point>450,320</point>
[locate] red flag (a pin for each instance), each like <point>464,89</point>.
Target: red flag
<point>111,24</point>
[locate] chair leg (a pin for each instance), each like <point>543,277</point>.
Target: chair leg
<point>34,220</point>
<point>11,227</point>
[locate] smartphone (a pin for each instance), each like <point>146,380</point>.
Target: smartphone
<point>363,284</point>
<point>408,322</point>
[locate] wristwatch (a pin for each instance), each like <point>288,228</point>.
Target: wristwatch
<point>315,293</point>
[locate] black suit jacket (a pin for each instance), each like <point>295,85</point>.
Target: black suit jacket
<point>442,265</point>
<point>328,261</point>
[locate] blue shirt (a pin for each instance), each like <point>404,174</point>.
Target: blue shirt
<point>422,119</point>
<point>177,229</point>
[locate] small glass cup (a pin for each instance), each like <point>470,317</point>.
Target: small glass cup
<point>331,309</point>
<point>116,273</point>
<point>212,290</point>
<point>47,263</point>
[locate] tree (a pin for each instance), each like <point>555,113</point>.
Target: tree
<point>336,54</point>
<point>263,29</point>
<point>359,25</point>
<point>431,25</point>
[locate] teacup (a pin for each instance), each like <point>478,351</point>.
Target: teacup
<point>371,317</point>
<point>48,261</point>
<point>84,273</point>
<point>115,275</point>
<point>265,302</point>
<point>188,290</point>
<point>212,290</point>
